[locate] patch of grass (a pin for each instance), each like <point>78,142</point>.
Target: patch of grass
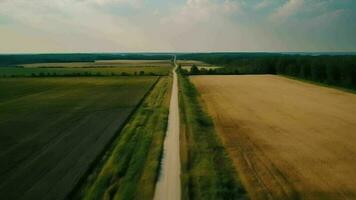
<point>207,171</point>
<point>131,168</point>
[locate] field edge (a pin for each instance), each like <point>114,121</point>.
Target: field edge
<point>98,163</point>
<point>206,169</point>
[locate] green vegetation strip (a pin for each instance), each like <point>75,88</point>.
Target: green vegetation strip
<point>131,169</point>
<point>207,171</point>
<point>82,71</point>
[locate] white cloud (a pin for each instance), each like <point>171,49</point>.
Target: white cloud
<point>74,24</point>
<point>206,25</point>
<point>195,25</point>
<point>195,11</point>
<point>133,3</point>
<point>263,4</point>
<point>288,9</point>
<point>231,6</point>
<point>328,19</point>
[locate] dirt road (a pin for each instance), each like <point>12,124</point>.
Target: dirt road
<point>288,139</point>
<point>168,185</point>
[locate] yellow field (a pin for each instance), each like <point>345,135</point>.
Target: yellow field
<point>288,139</point>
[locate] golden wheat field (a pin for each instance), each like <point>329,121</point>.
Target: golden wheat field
<point>288,139</point>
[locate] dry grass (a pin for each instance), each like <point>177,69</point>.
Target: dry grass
<point>288,139</point>
<point>184,63</point>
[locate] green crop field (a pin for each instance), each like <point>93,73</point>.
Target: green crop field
<point>53,129</point>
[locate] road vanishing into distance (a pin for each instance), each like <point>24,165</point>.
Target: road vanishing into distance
<point>168,185</point>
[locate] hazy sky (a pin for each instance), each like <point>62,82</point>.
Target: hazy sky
<point>177,25</point>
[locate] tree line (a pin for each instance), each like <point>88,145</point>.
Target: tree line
<point>15,59</point>
<point>78,74</point>
<point>338,70</point>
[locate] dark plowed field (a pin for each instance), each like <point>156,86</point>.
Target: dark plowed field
<point>52,129</point>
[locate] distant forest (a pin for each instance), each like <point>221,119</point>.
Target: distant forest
<point>333,69</point>
<point>338,70</point>
<point>16,59</point>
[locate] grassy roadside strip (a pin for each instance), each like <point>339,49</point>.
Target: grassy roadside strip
<point>131,168</point>
<point>207,171</point>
